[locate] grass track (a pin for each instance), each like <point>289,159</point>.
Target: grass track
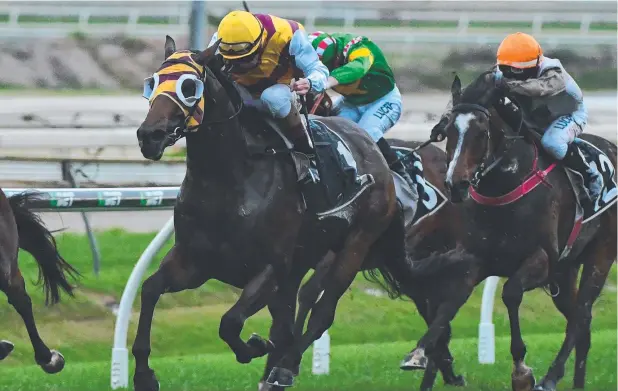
<point>368,367</point>
<point>186,325</point>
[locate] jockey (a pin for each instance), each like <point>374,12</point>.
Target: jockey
<point>263,53</point>
<point>360,73</point>
<point>551,102</point>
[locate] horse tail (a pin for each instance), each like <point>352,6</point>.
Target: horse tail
<point>390,252</point>
<point>36,239</point>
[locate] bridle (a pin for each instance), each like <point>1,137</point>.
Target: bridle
<point>226,83</point>
<point>485,166</point>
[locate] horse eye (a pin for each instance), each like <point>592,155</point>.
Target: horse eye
<point>188,87</point>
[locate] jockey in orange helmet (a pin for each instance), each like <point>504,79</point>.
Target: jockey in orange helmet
<point>263,53</point>
<point>551,102</point>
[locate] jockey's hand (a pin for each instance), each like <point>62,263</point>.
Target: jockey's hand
<point>438,133</point>
<point>332,82</point>
<point>301,86</point>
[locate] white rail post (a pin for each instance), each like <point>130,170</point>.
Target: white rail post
<point>321,355</point>
<point>487,337</point>
<point>120,353</point>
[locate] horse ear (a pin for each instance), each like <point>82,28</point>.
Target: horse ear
<point>170,46</point>
<point>205,56</point>
<point>456,89</point>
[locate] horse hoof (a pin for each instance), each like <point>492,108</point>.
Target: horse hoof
<point>145,381</point>
<point>259,346</point>
<point>55,365</point>
<point>280,377</point>
<point>545,385</point>
<point>522,379</point>
<point>6,348</point>
<point>457,381</point>
<point>414,360</point>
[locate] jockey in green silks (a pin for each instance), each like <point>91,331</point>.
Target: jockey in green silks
<point>360,73</point>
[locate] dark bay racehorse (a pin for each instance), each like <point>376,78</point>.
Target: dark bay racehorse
<point>433,231</point>
<point>240,218</point>
<point>527,221</point>
<point>21,228</point>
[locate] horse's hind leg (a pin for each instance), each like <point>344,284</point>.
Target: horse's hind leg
<point>6,347</point>
<point>14,287</point>
<point>441,360</point>
<point>532,274</point>
<point>598,258</point>
<point>174,275</point>
<point>347,263</point>
<point>458,292</point>
<point>282,310</point>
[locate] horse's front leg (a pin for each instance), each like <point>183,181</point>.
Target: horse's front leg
<point>255,296</point>
<point>532,274</point>
<point>175,274</point>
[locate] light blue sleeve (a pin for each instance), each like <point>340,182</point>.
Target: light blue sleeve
<point>308,62</point>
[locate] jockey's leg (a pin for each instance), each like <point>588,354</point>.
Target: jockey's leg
<point>277,101</point>
<point>558,142</point>
<point>378,117</point>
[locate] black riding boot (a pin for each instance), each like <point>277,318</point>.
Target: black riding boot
<point>394,163</point>
<point>293,125</point>
<point>592,177</point>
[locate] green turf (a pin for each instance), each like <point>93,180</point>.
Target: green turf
<point>367,367</point>
<point>83,328</point>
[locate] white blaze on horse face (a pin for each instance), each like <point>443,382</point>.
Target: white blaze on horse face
<point>462,123</point>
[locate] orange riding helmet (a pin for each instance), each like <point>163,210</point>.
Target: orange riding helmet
<point>519,50</point>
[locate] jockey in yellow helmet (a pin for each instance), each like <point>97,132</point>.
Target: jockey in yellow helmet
<point>263,53</point>
<point>551,102</point>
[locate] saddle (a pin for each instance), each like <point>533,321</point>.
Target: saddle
<point>339,185</point>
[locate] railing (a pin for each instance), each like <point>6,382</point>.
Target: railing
<point>590,23</point>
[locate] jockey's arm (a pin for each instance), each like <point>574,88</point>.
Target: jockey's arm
<point>307,61</point>
<point>550,83</point>
<point>359,62</point>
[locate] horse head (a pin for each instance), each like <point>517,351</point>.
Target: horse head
<point>469,133</point>
<point>175,93</point>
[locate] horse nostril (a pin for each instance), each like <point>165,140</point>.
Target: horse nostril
<point>158,135</point>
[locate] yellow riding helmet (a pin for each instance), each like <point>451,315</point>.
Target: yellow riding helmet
<point>519,50</point>
<point>240,33</point>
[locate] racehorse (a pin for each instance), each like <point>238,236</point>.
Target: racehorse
<point>21,228</point>
<point>243,218</point>
<point>431,231</point>
<point>529,220</point>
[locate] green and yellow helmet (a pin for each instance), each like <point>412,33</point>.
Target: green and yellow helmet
<point>325,46</point>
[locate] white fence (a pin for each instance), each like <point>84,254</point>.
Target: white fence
<point>25,19</point>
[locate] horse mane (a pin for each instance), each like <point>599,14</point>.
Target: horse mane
<point>479,91</point>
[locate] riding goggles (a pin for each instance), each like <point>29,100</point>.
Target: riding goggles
<point>239,48</point>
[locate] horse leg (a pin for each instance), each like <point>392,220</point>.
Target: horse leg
<point>309,294</point>
<point>14,287</point>
<point>532,274</point>
<point>442,360</point>
<point>175,274</point>
<point>597,258</point>
<point>341,275</point>
<point>446,311</point>
<point>255,296</point>
<point>282,310</point>
<point>566,301</point>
